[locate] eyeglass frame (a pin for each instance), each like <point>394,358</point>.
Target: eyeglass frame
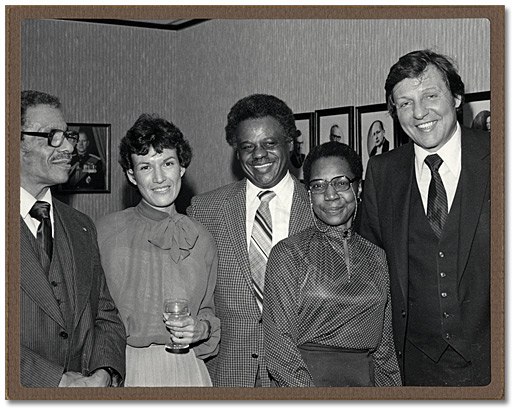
<point>327,182</point>
<point>68,134</point>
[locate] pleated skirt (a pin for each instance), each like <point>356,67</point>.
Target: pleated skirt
<point>154,367</point>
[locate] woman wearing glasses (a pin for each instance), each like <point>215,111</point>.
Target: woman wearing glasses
<point>327,310</point>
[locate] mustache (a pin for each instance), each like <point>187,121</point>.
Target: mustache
<point>62,156</point>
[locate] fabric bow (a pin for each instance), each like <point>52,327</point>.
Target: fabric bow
<point>178,235</point>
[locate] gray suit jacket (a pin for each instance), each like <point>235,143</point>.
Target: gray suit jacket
<point>97,337</point>
<point>223,212</point>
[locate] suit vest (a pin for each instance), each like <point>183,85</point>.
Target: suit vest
<point>434,314</point>
<point>61,283</point>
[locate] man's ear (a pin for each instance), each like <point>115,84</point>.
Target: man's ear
<point>130,175</point>
<point>458,101</point>
<point>183,170</point>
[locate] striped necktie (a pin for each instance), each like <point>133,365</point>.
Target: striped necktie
<point>260,244</point>
<point>41,212</point>
<point>437,210</point>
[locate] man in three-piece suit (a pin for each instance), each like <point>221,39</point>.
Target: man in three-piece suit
<point>71,333</point>
<point>261,129</point>
<point>427,203</point>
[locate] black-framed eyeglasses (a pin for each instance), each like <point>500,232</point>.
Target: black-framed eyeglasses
<point>339,183</point>
<point>55,137</point>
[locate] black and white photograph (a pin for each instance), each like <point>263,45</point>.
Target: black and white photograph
<point>335,124</point>
<point>301,144</point>
<point>90,162</point>
<point>476,112</point>
<point>375,128</point>
<point>167,244</point>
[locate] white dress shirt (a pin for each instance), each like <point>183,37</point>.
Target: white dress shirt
<point>449,169</point>
<point>26,203</point>
<point>280,207</point>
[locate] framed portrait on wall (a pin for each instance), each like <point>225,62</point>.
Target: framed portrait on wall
<point>302,144</point>
<point>476,112</point>
<point>335,124</point>
<point>375,132</point>
<point>90,164</point>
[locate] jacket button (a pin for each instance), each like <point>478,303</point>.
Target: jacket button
<point>403,313</point>
<point>443,275</point>
<point>441,254</point>
<point>261,320</point>
<point>64,335</point>
<point>448,336</point>
<point>254,356</point>
<point>399,354</point>
<point>54,283</point>
<point>444,295</point>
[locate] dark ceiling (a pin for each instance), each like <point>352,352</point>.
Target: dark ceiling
<point>175,25</point>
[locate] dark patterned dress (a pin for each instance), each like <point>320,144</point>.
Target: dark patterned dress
<point>312,297</point>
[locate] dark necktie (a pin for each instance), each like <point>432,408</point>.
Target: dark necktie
<point>437,210</point>
<point>41,212</point>
<point>260,244</point>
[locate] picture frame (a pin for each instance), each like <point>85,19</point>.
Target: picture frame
<point>90,164</point>
<point>336,122</point>
<point>476,111</point>
<point>302,144</point>
<point>369,118</point>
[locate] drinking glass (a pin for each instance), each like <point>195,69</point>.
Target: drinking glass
<point>176,309</point>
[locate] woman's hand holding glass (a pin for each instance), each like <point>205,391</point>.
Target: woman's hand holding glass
<point>188,330</point>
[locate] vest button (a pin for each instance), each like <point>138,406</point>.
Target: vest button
<point>403,313</point>
<point>444,295</point>
<point>443,275</point>
<point>441,254</point>
<point>448,336</point>
<point>254,356</point>
<point>64,335</point>
<point>446,315</point>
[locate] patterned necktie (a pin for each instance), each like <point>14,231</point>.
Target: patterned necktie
<point>437,210</point>
<point>41,212</point>
<point>260,244</point>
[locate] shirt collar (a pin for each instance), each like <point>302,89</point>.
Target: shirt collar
<point>449,152</point>
<point>282,189</point>
<point>27,201</point>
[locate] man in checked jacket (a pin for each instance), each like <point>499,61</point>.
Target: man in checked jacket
<point>261,130</point>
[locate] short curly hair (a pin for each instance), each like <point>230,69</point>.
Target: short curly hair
<point>332,149</point>
<point>33,98</point>
<point>413,65</point>
<point>259,106</point>
<point>151,131</point>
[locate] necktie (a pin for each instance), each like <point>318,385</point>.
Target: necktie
<point>260,245</point>
<point>437,210</point>
<point>41,212</point>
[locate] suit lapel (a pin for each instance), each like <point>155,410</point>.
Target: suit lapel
<point>76,258</point>
<point>300,217</point>
<point>235,219</point>
<point>474,179</point>
<point>33,279</point>
<point>400,185</point>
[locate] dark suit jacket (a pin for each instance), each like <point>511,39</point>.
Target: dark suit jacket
<point>97,338</point>
<point>223,212</point>
<point>386,147</point>
<point>384,221</point>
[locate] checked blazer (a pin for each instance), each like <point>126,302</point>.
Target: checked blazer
<point>93,336</point>
<point>385,221</point>
<point>223,213</point>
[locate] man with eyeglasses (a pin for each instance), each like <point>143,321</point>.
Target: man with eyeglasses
<point>70,331</point>
<point>246,219</point>
<point>427,203</point>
